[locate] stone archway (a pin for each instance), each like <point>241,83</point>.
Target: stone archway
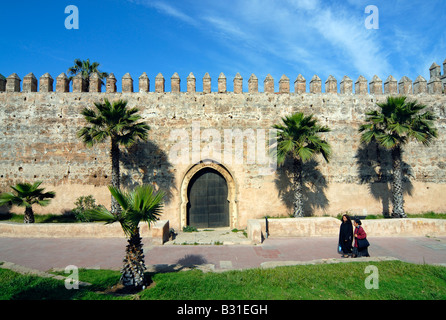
<point>232,199</point>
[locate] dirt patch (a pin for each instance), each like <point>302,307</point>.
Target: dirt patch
<point>120,290</point>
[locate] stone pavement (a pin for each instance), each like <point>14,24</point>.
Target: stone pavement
<point>48,253</point>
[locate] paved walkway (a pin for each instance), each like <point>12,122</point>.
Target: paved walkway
<point>47,253</point>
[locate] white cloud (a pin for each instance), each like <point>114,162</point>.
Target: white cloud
<point>306,32</point>
<point>353,41</point>
<point>167,9</point>
<point>317,36</point>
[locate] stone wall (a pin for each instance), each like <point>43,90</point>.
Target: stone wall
<point>38,142</point>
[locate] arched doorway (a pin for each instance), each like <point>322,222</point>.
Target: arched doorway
<point>215,179</point>
<point>208,205</point>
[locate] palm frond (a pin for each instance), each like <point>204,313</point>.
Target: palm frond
<point>299,137</point>
<point>122,197</point>
<point>26,195</point>
<point>146,204</point>
<point>397,121</point>
<point>113,119</point>
<point>8,198</point>
<point>100,213</point>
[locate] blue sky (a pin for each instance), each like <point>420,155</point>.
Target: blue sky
<point>246,36</point>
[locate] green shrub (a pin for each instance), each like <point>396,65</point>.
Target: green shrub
<point>189,229</point>
<point>83,204</point>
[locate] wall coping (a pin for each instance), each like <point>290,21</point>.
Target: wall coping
<point>329,227</point>
<point>159,231</point>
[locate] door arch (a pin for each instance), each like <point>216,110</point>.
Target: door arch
<point>215,172</point>
<point>208,200</point>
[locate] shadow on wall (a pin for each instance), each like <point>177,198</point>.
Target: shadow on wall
<point>146,163</point>
<point>374,165</point>
<point>314,185</point>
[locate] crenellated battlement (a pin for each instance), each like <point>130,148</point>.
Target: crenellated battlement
<point>435,85</point>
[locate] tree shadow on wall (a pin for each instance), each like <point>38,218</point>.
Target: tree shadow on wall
<point>374,165</point>
<point>314,186</point>
<point>146,163</point>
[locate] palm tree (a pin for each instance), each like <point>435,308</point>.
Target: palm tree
<point>26,195</point>
<point>392,126</point>
<point>120,124</point>
<point>141,204</point>
<point>298,138</point>
<point>85,69</point>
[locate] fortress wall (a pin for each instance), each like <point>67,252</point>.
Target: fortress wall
<point>38,142</point>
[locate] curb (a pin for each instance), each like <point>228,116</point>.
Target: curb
<point>28,271</point>
<point>273,264</point>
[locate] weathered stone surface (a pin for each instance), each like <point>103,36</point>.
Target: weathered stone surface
<point>329,227</point>
<point>206,83</point>
<point>268,84</point>
<point>79,84</point>
<point>62,83</point>
<point>315,84</point>
<point>376,85</point>
<point>300,84</point>
<point>13,83</point>
<point>127,83</point>
<point>191,83</point>
<point>390,85</point>
<point>222,83</point>
<point>253,84</point>
<point>331,85</point>
<point>435,70</point>
<point>238,83</point>
<point>420,85</point>
<point>144,83</point>
<point>434,86</point>
<point>2,83</point>
<point>284,84</point>
<point>361,85</point>
<point>175,83</point>
<point>29,83</point>
<point>346,85</point>
<point>405,86</point>
<point>110,85</point>
<point>159,83</point>
<point>38,141</point>
<point>46,83</point>
<point>95,83</point>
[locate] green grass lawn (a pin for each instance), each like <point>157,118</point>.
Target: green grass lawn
<point>40,218</point>
<point>345,281</point>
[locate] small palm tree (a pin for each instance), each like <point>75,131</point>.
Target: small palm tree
<point>26,195</point>
<point>393,126</point>
<point>85,69</point>
<point>141,204</point>
<point>298,138</point>
<point>120,124</point>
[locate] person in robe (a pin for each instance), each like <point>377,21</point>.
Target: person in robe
<point>346,236</point>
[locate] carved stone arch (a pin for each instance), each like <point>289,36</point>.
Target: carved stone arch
<point>232,194</point>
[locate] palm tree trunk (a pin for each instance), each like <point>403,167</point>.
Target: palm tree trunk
<point>397,183</point>
<point>298,202</point>
<point>116,180</point>
<point>29,215</point>
<point>134,267</point>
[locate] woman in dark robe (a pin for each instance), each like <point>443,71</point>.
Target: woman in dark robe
<point>346,236</point>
